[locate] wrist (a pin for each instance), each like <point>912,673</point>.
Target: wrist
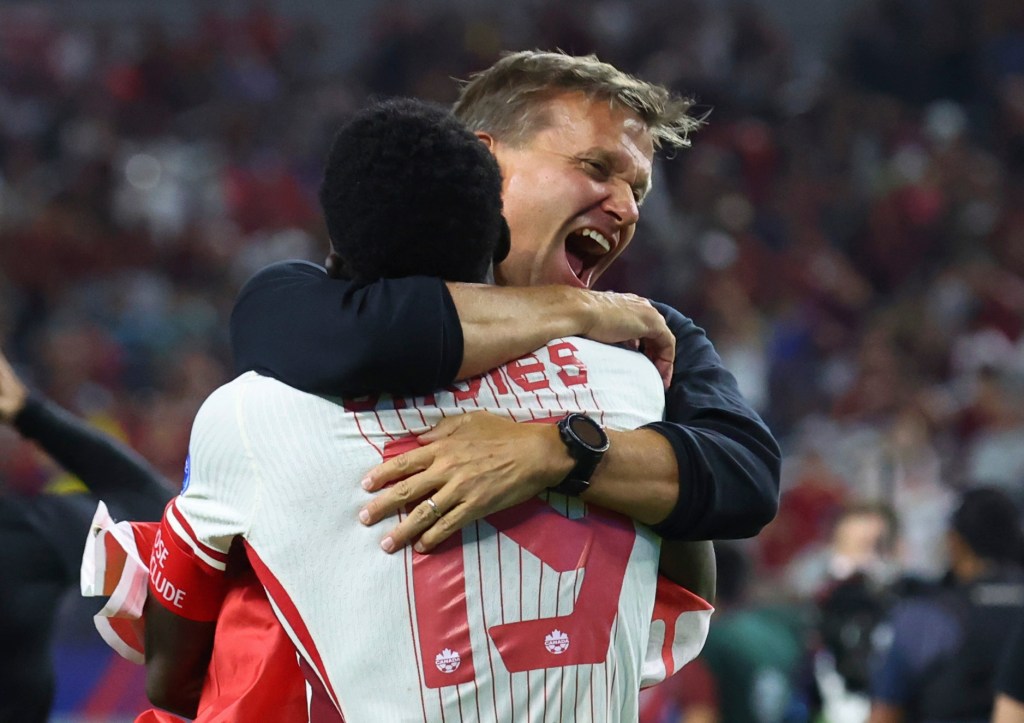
<point>577,312</point>
<point>586,442</point>
<point>557,460</point>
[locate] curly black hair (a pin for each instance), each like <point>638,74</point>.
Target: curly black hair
<point>408,190</point>
<point>988,521</point>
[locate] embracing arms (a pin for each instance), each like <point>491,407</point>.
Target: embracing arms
<point>711,470</point>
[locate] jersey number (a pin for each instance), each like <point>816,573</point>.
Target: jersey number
<point>598,543</point>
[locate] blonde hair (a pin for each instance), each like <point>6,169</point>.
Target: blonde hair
<point>508,100</point>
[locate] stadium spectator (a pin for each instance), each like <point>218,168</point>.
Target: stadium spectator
<point>1009,704</point>
<point>41,536</point>
<point>941,662</point>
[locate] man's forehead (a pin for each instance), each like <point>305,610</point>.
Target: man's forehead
<point>579,124</point>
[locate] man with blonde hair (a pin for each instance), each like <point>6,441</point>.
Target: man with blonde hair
<point>575,140</point>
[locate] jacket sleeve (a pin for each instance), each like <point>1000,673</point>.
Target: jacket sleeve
<point>729,463</point>
<point>394,335</point>
<point>111,470</point>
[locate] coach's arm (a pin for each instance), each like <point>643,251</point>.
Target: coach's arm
<point>710,471</point>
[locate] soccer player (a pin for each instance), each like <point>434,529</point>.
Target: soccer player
<point>575,139</point>
<point>549,608</point>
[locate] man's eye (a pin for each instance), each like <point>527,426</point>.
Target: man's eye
<point>598,168</point>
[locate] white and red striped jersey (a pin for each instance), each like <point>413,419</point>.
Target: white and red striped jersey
<point>543,612</point>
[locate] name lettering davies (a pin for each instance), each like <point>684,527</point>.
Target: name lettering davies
<point>527,374</point>
<point>164,587</point>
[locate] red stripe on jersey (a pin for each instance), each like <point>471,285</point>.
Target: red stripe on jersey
<point>355,418</point>
<point>442,618</point>
<point>406,555</point>
<point>483,614</point>
<point>284,603</point>
<point>172,508</point>
<point>670,602</point>
<point>321,709</point>
<point>115,560</point>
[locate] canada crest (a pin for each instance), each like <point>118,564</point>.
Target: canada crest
<point>556,642</point>
<point>447,661</point>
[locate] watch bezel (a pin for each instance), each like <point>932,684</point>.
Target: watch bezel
<point>587,455</point>
<point>569,423</point>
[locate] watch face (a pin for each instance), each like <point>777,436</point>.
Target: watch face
<point>588,432</point>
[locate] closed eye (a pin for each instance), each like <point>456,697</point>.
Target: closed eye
<point>598,169</point>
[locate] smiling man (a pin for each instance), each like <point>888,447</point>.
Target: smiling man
<point>575,139</point>
<point>605,145</point>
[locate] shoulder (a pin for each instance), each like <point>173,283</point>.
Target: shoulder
<point>673,317</point>
<point>608,360</point>
<point>923,616</point>
<point>692,343</point>
<point>284,273</point>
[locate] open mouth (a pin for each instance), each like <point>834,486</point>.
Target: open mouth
<point>583,251</point>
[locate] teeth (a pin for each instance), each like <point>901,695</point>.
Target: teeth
<point>597,236</point>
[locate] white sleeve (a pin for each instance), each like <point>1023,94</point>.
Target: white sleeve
<point>220,491</point>
<point>679,628</point>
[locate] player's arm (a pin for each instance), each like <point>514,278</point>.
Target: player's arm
<point>186,589</point>
<point>690,565</point>
<point>416,334</point>
<point>110,469</point>
<point>178,653</point>
<point>187,582</point>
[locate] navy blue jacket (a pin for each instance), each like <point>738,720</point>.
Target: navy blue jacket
<point>403,336</point>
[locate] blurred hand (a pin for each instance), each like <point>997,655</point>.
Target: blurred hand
<point>471,466</point>
<point>633,319</point>
<point>12,392</point>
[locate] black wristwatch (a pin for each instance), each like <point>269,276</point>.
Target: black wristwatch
<point>587,443</point>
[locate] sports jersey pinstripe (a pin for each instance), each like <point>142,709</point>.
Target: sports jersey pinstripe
<point>543,612</point>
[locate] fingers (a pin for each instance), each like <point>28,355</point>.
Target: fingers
<point>397,468</point>
<point>661,350</point>
<point>664,368</point>
<point>423,527</point>
<point>392,499</point>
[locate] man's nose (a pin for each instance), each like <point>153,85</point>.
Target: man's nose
<point>621,203</point>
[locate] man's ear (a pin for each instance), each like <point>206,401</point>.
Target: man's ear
<point>504,242</point>
<point>486,138</point>
<point>336,268</point>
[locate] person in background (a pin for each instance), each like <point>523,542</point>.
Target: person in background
<point>41,536</point>
<point>941,662</point>
<point>1009,705</point>
<point>689,696</point>
<point>755,652</point>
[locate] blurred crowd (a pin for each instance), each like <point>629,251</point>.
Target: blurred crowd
<point>850,231</point>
